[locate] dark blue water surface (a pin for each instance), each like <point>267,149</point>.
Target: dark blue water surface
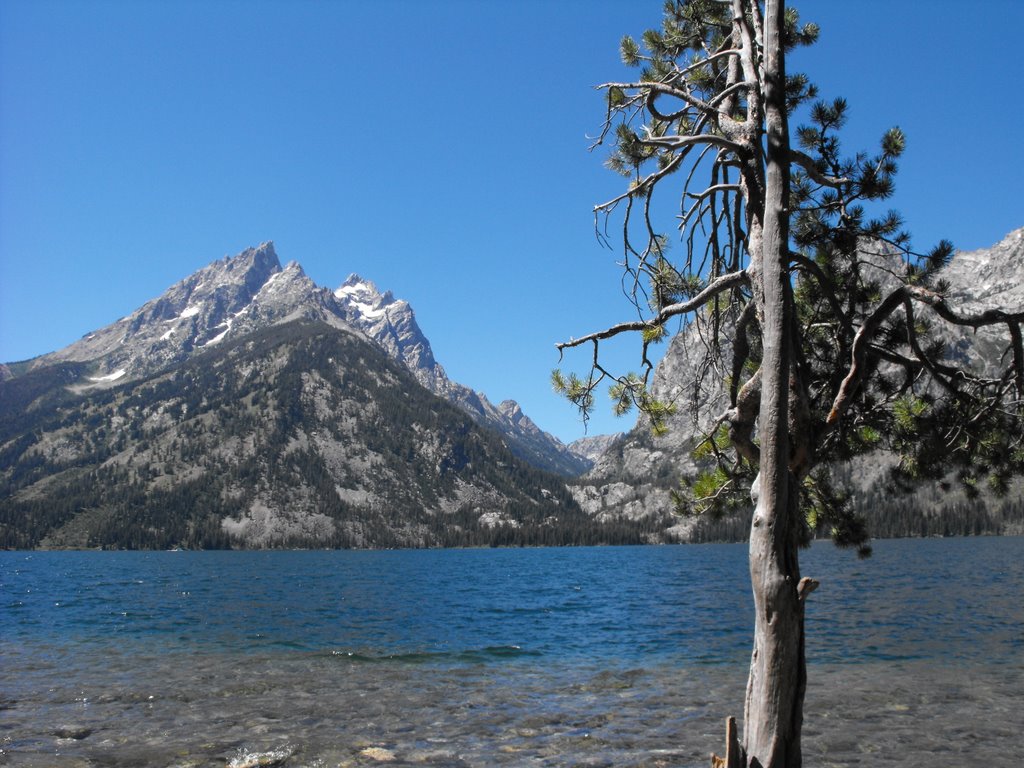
<point>614,603</point>
<point>958,598</point>
<point>482,657</point>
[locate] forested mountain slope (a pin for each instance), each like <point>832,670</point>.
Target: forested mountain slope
<point>300,434</point>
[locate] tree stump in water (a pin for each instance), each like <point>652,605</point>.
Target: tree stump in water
<point>733,754</point>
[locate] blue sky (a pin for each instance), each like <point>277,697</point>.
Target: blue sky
<point>438,148</point>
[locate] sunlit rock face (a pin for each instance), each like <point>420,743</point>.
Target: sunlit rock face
<point>989,278</point>
<point>635,475</point>
<point>221,302</point>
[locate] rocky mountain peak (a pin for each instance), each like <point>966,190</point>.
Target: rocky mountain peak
<point>511,409</point>
<point>249,293</point>
<point>194,313</point>
<point>247,272</point>
<point>363,296</point>
<point>391,323</point>
<point>262,257</point>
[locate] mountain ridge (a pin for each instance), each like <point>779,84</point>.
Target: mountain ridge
<point>293,436</point>
<point>237,295</point>
<point>392,323</point>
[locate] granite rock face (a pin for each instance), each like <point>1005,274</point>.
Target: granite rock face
<point>592,447</point>
<point>990,278</point>
<point>634,476</point>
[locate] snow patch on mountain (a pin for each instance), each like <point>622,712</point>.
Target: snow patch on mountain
<point>363,297</point>
<point>110,376</point>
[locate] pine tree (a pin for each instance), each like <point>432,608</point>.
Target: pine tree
<point>832,326</point>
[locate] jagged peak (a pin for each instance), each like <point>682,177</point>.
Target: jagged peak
<point>265,249</point>
<point>1013,239</point>
<point>261,256</point>
<point>365,298</point>
<point>355,284</point>
<point>509,407</point>
<point>363,291</point>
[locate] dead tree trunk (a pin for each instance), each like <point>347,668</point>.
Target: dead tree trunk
<point>775,690</point>
<point>773,712</point>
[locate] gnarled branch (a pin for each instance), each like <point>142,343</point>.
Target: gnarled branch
<point>851,383</point>
<point>811,169</point>
<point>723,283</point>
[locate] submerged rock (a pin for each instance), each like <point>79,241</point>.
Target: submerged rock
<point>379,754</point>
<point>76,732</point>
<point>270,759</point>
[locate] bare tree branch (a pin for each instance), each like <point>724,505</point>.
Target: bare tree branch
<point>648,180</point>
<point>851,383</point>
<point>743,417</point>
<point>1018,356</point>
<point>811,168</point>
<point>938,303</point>
<point>652,90</point>
<point>723,283</point>
<point>939,373</point>
<point>678,142</point>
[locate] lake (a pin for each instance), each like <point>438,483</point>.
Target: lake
<point>617,656</point>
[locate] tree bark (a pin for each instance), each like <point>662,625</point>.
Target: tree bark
<point>773,714</point>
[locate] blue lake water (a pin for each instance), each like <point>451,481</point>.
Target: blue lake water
<point>590,656</point>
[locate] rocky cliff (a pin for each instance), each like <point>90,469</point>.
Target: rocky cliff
<point>633,479</point>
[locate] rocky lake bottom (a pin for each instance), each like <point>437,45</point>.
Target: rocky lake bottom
<point>321,710</point>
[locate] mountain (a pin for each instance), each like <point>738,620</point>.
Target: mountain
<point>392,323</point>
<point>989,278</point>
<point>297,435</point>
<point>225,300</point>
<point>592,447</point>
<point>633,479</point>
<point>236,296</point>
<point>248,407</point>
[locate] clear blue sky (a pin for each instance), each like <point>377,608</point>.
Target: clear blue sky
<point>438,148</point>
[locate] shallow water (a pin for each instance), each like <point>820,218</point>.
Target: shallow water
<point>596,657</point>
